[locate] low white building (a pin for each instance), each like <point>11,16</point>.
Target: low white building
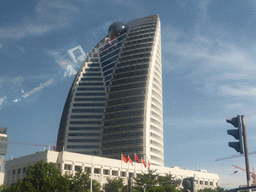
<point>101,168</point>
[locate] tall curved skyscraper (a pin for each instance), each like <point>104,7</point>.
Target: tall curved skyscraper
<point>114,105</point>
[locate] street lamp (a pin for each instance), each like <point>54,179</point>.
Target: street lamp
<point>229,178</point>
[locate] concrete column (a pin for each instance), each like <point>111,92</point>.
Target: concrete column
<point>101,175</point>
<point>82,167</point>
<point>62,167</point>
<point>119,172</point>
<point>73,167</point>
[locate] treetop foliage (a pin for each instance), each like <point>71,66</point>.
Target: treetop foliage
<point>45,177</point>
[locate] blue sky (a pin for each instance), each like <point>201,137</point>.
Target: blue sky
<point>208,54</point>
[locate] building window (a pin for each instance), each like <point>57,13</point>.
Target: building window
<point>201,182</point>
<point>123,174</point>
<point>85,122</point>
<point>106,172</point>
<point>13,171</point>
<point>77,168</point>
<point>83,147</point>
<point>94,65</point>
<point>88,110</point>
<point>67,167</point>
<point>18,172</point>
<point>131,174</point>
<point>87,169</point>
<point>85,128</point>
<point>83,140</point>
<point>24,169</point>
<point>217,184</point>
<point>97,171</point>
<point>211,183</point>
<point>206,182</point>
<point>115,173</point>
<point>84,134</point>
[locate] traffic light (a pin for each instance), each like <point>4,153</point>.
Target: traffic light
<point>237,133</point>
<point>188,184</point>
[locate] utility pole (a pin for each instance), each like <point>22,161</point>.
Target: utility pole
<point>246,152</point>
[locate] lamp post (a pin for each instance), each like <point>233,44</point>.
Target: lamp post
<point>230,179</point>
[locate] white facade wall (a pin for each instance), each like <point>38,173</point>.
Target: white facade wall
<point>155,114</point>
<point>1,178</point>
<point>101,168</point>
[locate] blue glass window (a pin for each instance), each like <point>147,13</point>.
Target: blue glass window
<point>84,128</point>
<point>108,72</point>
<point>90,99</point>
<point>91,74</point>
<point>88,104</point>
<point>91,89</point>
<point>90,94</point>
<point>94,65</point>
<point>108,61</point>
<point>84,134</point>
<point>126,100</point>
<point>91,79</point>
<point>87,110</point>
<point>83,140</point>
<point>85,122</point>
<point>108,67</point>
<point>91,84</point>
<point>110,55</point>
<point>103,53</point>
<point>108,78</point>
<point>123,121</point>
<point>85,116</point>
<point>83,147</point>
<point>94,60</point>
<point>92,69</point>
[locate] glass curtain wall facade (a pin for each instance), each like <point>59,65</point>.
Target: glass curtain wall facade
<point>115,103</point>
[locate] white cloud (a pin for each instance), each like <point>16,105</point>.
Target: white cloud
<point>2,100</point>
<point>69,71</point>
<point>235,106</point>
<point>216,54</point>
<point>220,66</point>
<point>239,76</point>
<point>50,15</point>
<point>238,91</point>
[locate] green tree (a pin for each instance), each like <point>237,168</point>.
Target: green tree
<point>217,189</point>
<point>169,182</point>
<point>220,189</point>
<point>145,179</point>
<point>114,185</point>
<point>81,182</point>
<point>206,190</point>
<point>165,183</point>
<point>42,177</point>
<point>4,188</point>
